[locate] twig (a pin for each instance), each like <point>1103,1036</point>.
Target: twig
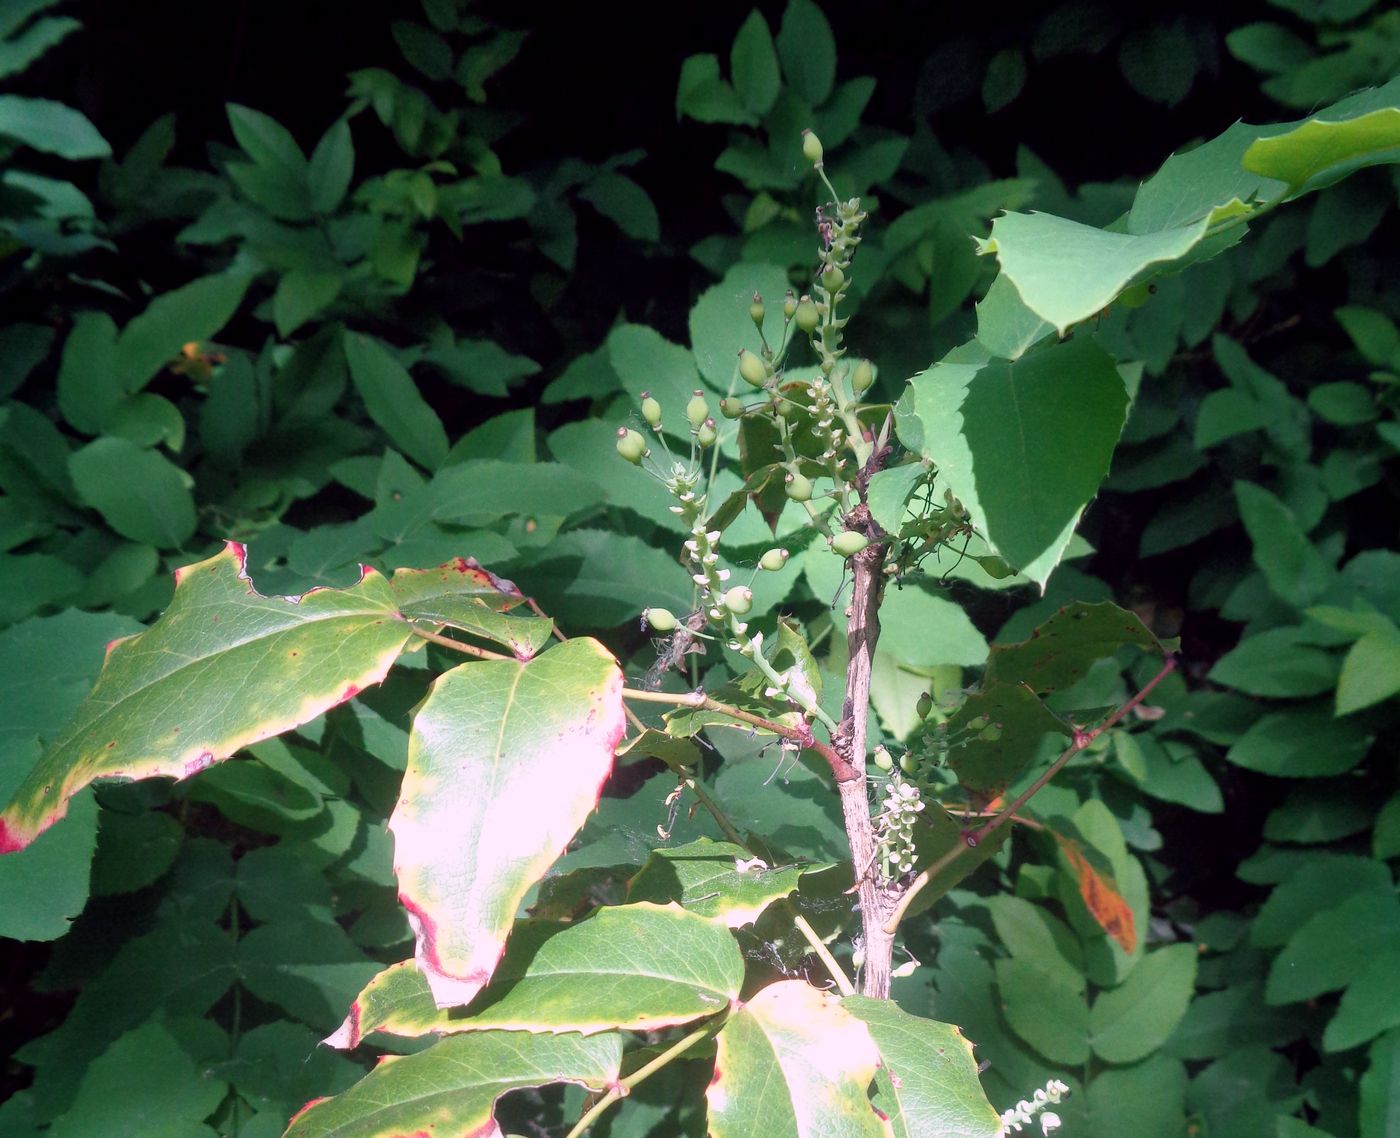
<point>1081,740</point>
<point>622,1087</point>
<point>459,646</point>
<point>802,736</point>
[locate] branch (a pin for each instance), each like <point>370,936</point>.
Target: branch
<point>802,736</point>
<point>1081,740</point>
<point>459,646</point>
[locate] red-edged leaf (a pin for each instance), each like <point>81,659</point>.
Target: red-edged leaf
<point>505,762</point>
<point>222,668</point>
<point>462,594</point>
<point>1100,892</point>
<point>793,1063</point>
<point>451,1088</point>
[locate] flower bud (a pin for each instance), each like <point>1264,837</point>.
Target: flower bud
<point>798,488</point>
<point>651,410</point>
<point>738,600</point>
<point>862,377</point>
<point>661,620</point>
<point>631,446</point>
<point>811,148</point>
<point>697,410</point>
<point>752,370</point>
<point>730,407</point>
<point>925,705</point>
<point>807,315</point>
<point>848,543</point>
<point>773,560</point>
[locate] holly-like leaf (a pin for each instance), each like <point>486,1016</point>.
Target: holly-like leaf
<point>995,733</point>
<point>452,1087</point>
<point>638,966</point>
<point>162,704</point>
<point>505,762</point>
<point>1060,651</point>
<point>462,594</point>
<point>717,880</point>
<point>793,1062</point>
<point>927,1083</point>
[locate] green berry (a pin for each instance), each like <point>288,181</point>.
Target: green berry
<point>811,148</point>
<point>995,567</point>
<point>705,434</point>
<point>862,377</point>
<point>833,279</point>
<point>731,408</point>
<point>848,543</point>
<point>752,369</point>
<point>756,312</point>
<point>738,600</point>
<point>631,446</point>
<point>651,410</point>
<point>773,560</point>
<point>661,620</point>
<point>924,706</point>
<point>798,488</point>
<point>883,759</point>
<point>789,305</point>
<point>697,410</point>
<point>907,763</point>
<point>807,315</point>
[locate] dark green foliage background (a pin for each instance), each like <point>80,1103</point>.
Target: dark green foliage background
<point>1251,510</point>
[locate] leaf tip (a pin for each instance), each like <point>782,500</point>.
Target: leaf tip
<point>347,1036</point>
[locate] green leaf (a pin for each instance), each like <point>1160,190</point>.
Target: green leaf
<point>302,294</point>
<point>161,705</point>
<point>1280,662</point>
<point>720,324</point>
<point>716,880</point>
<point>1156,1090</point>
<point>989,755</point>
<point>1171,772</point>
<point>1006,75</point>
<point>793,1061</point>
<point>189,314</point>
<point>598,578</point>
<point>1220,1023</point>
<point>1291,564</point>
<point>1371,671</point>
<point>1033,934</point>
<point>1322,883</point>
<point>308,967</point>
<point>456,1082</point>
<point>1048,1013</point>
<point>1370,1005</point>
<point>1332,144</point>
<point>19,50</point>
<point>1373,333</point>
<point>427,51</point>
<point>1334,947</point>
<point>1159,61</point>
<point>482,366</point>
<point>623,202</point>
<point>264,139</point>
<point>927,1084</point>
<point>1345,404</point>
<point>145,1085</point>
<point>888,492</point>
<point>1129,1022</point>
<point>479,491</point>
<point>996,431</point>
<point>138,493</point>
<point>754,64</point>
<point>89,388</point>
<point>703,96</point>
<point>1327,813</point>
<point>1224,414</point>
<point>1268,47</point>
<point>331,168</point>
<point>808,51</point>
<point>1302,742</point>
<point>1380,1088</point>
<point>472,829</point>
<point>42,124</point>
<point>642,967</point>
<point>393,401</point>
